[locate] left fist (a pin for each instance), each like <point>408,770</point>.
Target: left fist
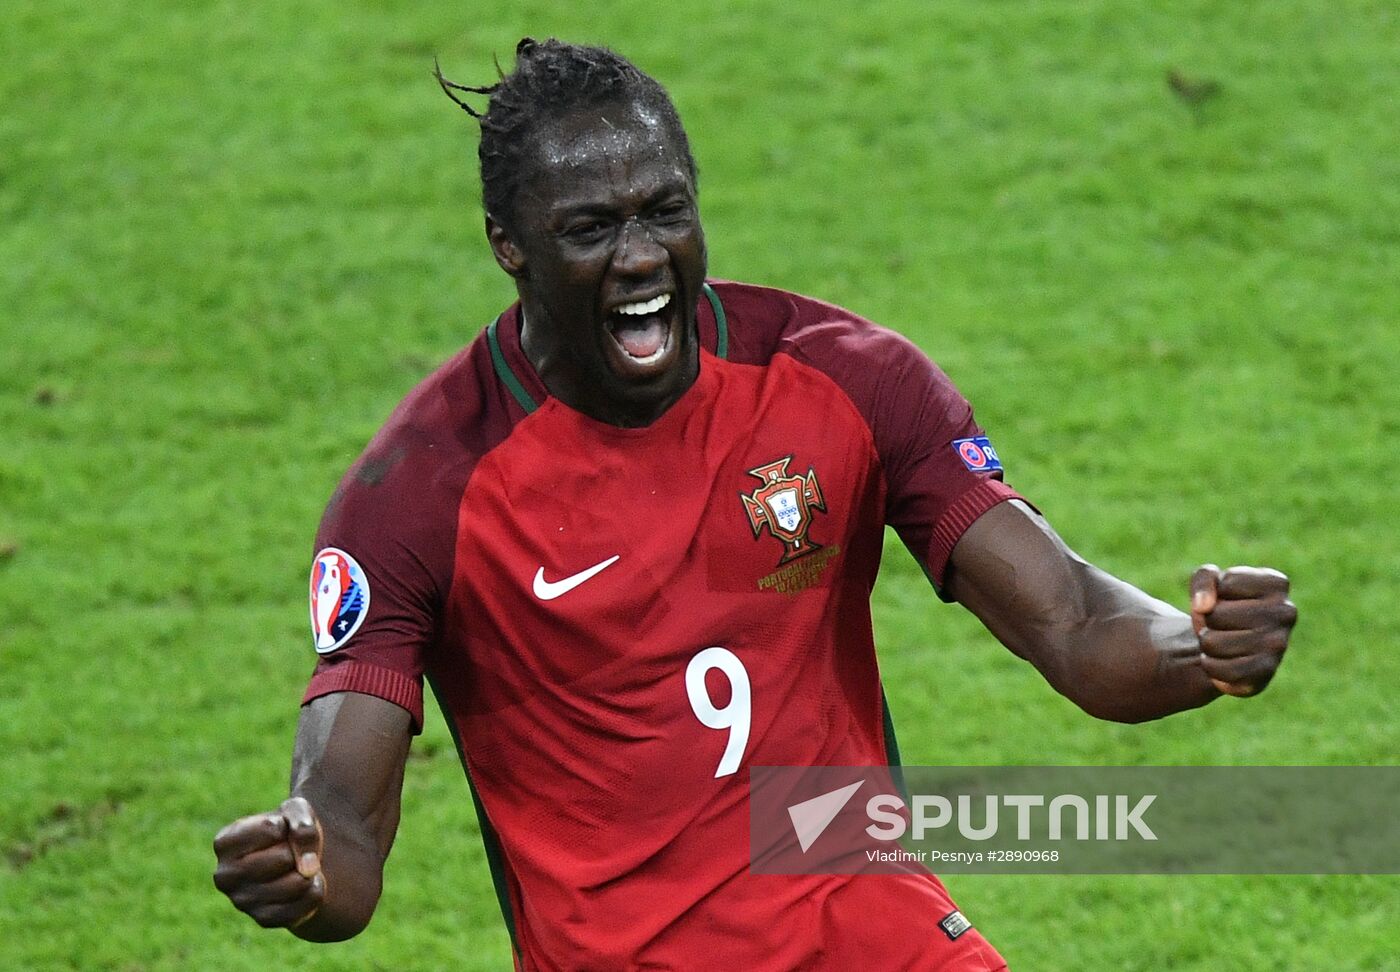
<point>1243,618</point>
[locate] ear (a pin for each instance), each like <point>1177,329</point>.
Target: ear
<point>503,248</point>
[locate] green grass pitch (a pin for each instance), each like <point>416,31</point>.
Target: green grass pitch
<point>233,235</point>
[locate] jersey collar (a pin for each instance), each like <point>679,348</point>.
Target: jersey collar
<point>513,368</point>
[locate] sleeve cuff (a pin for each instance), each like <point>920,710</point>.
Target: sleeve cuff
<point>957,518</point>
<point>384,683</point>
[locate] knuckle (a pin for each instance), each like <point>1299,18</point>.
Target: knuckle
<point>1216,668</point>
<point>229,833</point>
<point>1214,643</point>
<point>1259,684</point>
<point>299,815</point>
<point>1225,617</point>
<point>265,918</point>
<point>1233,670</point>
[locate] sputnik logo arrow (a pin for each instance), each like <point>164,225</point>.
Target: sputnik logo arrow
<point>811,817</point>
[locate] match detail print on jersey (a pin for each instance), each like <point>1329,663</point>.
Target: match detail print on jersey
<point>954,925</point>
<point>339,598</point>
<point>549,590</point>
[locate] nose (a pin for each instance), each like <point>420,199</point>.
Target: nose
<point>638,254</point>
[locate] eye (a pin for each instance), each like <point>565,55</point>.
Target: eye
<point>586,231</point>
<point>672,212</point>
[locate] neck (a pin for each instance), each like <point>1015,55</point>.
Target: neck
<point>626,406</point>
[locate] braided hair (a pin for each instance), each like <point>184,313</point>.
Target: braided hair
<point>551,80</point>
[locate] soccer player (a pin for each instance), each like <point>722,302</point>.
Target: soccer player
<point>628,535</point>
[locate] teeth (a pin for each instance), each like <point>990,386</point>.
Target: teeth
<point>645,306</point>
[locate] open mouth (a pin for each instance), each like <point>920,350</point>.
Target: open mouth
<point>641,330</point>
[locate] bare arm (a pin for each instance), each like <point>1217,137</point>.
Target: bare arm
<point>315,865</point>
<point>1113,650</point>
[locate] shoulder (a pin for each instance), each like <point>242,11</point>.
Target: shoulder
<point>411,474</point>
<point>764,321</point>
<point>884,373</point>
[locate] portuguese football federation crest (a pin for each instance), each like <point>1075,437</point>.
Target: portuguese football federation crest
<point>784,504</point>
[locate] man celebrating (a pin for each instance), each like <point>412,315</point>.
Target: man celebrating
<point>629,536</point>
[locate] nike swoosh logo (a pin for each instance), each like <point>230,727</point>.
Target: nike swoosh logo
<point>549,590</point>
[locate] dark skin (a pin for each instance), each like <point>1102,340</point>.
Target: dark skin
<point>608,217</point>
<point>1102,643</point>
<point>612,219</point>
<point>320,871</point>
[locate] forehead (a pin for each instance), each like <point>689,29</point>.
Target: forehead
<point>594,155</point>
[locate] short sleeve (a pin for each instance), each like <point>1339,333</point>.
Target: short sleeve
<point>371,639</point>
<point>391,529</point>
<point>394,519</point>
<point>942,471</point>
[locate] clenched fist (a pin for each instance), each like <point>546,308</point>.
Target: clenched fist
<point>270,864</point>
<point>1243,618</point>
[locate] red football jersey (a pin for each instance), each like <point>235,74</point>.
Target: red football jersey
<point>617,623</point>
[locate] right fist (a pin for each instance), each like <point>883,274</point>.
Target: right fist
<point>270,864</point>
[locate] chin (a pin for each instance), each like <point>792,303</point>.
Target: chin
<point>647,351</point>
<point>645,387</point>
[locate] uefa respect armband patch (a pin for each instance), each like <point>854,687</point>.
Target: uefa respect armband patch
<point>977,454</point>
<point>339,598</point>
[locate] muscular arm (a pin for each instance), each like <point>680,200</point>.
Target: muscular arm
<point>349,764</point>
<point>322,852</point>
<point>1113,650</point>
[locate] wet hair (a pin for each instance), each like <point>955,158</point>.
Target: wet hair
<point>552,79</point>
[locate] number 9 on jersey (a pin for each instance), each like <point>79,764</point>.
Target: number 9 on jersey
<point>736,716</point>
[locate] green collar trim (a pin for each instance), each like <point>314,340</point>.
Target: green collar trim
<point>517,388</point>
<point>721,324</point>
<point>508,377</point>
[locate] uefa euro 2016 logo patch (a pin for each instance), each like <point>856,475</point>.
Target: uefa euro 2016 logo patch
<point>977,454</point>
<point>339,598</point>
